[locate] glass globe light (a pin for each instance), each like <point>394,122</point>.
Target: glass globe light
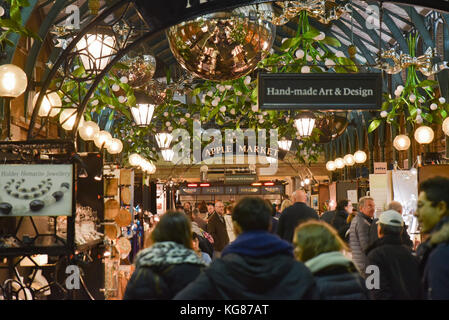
<point>135,159</point>
<point>67,118</point>
<point>360,156</point>
<point>13,81</point>
<point>446,126</point>
<point>306,180</point>
<point>339,163</point>
<point>424,135</point>
<point>102,139</point>
<point>115,146</point>
<point>88,130</point>
<point>330,166</point>
<point>95,51</point>
<point>50,105</point>
<point>349,160</point>
<point>401,142</point>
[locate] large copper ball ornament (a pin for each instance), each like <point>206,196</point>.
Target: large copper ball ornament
<point>223,45</point>
<point>140,70</point>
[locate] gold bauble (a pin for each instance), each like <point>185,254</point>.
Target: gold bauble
<point>223,45</point>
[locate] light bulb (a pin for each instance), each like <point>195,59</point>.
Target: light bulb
<point>102,139</point>
<point>115,146</point>
<point>339,163</point>
<point>330,166</point>
<point>360,156</point>
<point>67,118</point>
<point>401,142</point>
<point>13,81</point>
<point>349,160</point>
<point>88,130</point>
<point>446,126</point>
<point>424,135</point>
<point>135,159</point>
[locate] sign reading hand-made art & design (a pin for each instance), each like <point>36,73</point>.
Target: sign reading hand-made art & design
<point>320,91</point>
<point>36,190</point>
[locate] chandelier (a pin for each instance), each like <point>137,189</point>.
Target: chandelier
<point>323,11</point>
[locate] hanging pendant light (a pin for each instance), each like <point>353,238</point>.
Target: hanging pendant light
<point>164,139</point>
<point>305,124</point>
<point>349,160</point>
<point>360,156</point>
<point>95,51</point>
<point>285,144</point>
<point>401,142</point>
<point>330,166</point>
<point>446,126</point>
<point>339,163</point>
<point>88,130</point>
<point>50,105</point>
<point>144,109</point>
<point>424,135</point>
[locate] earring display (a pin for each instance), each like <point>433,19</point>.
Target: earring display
<point>111,187</point>
<point>111,209</point>
<point>124,218</point>
<point>126,195</point>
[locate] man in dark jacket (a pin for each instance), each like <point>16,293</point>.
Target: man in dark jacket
<point>216,227</point>
<point>256,265</point>
<point>405,238</point>
<point>433,217</point>
<point>398,268</point>
<point>292,216</point>
<point>338,218</point>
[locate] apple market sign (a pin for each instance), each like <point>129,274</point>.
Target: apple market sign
<point>322,91</point>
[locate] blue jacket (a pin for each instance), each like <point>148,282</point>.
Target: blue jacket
<point>256,265</point>
<point>434,254</point>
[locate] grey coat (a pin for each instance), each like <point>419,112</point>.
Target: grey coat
<point>359,240</point>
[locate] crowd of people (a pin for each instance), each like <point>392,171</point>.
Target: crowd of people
<point>257,250</point>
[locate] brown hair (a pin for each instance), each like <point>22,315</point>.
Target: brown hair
<point>173,226</point>
<point>313,238</point>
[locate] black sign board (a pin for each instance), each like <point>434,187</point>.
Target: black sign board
<point>231,190</point>
<point>237,179</point>
<point>249,190</point>
<point>320,91</point>
<point>212,190</point>
<point>187,190</point>
<point>272,189</point>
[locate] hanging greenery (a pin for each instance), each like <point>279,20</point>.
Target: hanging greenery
<point>223,105</point>
<point>418,102</point>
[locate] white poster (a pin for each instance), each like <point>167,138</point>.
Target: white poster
<point>36,190</point>
<point>380,191</point>
<point>352,196</point>
<point>405,188</point>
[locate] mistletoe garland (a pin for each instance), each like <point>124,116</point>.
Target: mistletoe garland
<point>417,102</point>
<point>224,105</point>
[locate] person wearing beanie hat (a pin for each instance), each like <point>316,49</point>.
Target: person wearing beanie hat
<point>398,269</point>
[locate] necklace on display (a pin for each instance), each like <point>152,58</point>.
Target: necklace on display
<point>36,204</point>
<point>20,192</point>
